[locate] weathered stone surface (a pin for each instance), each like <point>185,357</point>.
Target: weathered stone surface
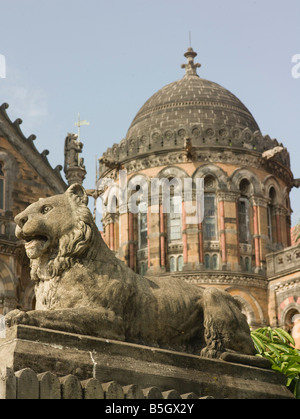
<point>112,390</point>
<point>70,387</point>
<point>171,394</point>
<point>27,384</point>
<point>152,393</point>
<point>254,361</point>
<point>8,385</point>
<point>49,386</point>
<point>133,392</point>
<point>65,353</point>
<point>189,396</point>
<point>92,389</point>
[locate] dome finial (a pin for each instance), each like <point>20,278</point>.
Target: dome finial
<point>190,67</point>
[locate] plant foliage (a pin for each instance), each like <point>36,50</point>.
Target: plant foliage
<point>277,345</point>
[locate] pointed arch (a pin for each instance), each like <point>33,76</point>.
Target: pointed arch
<point>249,305</point>
<point>210,169</point>
<point>172,171</point>
<point>271,182</point>
<point>243,173</point>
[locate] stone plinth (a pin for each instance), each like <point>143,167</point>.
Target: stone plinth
<point>63,353</point>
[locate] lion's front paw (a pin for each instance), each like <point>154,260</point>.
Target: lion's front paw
<point>16,317</point>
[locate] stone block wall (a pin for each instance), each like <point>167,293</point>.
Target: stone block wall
<point>27,384</point>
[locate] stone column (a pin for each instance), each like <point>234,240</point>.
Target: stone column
<point>272,306</point>
<point>112,234</point>
<point>228,230</point>
<point>200,238</point>
<point>222,233</point>
<point>154,254</point>
<point>123,251</point>
<point>238,251</point>
<point>288,229</point>
<point>256,237</point>
<point>162,237</point>
<point>277,212</point>
<point>184,236</point>
<point>190,234</point>
<point>131,240</point>
<point>148,237</point>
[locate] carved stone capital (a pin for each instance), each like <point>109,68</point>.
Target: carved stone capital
<point>227,196</point>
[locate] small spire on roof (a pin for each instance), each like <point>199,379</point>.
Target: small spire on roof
<point>190,67</point>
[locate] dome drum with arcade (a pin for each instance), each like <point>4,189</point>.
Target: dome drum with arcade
<point>194,128</point>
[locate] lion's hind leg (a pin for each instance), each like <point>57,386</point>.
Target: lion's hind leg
<point>226,328</point>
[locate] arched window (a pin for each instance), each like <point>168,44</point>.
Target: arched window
<point>180,263</point>
<point>270,213</point>
<point>243,211</point>
<point>2,187</point>
<point>210,218</point>
<point>176,263</point>
<point>142,225</point>
<point>174,218</point>
<point>172,264</point>
<point>247,264</point>
<point>210,210</point>
<point>143,268</point>
<point>269,220</point>
<point>207,261</point>
<point>289,320</point>
<point>215,262</point>
<point>211,261</point>
<point>243,220</point>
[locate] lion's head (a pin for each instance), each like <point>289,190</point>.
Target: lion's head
<point>57,231</point>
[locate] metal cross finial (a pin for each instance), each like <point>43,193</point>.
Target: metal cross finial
<point>190,67</point>
<point>78,124</point>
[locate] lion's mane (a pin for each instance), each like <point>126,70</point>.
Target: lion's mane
<point>75,247</point>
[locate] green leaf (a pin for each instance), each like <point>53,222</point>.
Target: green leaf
<point>276,345</point>
<point>259,346</point>
<point>285,335</point>
<point>261,336</point>
<point>291,358</point>
<point>281,335</point>
<point>276,368</point>
<point>272,360</point>
<point>271,334</point>
<point>294,368</point>
<point>272,348</point>
<point>282,347</point>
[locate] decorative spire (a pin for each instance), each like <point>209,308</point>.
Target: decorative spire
<point>190,67</point>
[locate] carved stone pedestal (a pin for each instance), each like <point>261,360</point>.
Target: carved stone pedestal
<point>60,353</point>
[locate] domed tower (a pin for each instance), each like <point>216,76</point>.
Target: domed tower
<point>196,129</point>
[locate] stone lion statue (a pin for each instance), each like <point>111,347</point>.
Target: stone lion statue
<point>81,287</point>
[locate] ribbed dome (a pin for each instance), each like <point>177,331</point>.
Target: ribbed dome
<point>191,101</point>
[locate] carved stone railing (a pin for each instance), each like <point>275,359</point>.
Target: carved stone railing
<point>284,260</point>
<point>222,137</point>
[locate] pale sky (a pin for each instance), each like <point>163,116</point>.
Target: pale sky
<point>105,58</point>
